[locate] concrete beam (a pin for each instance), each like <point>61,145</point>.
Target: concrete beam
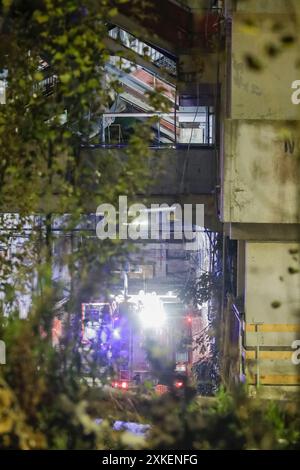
<point>265,232</point>
<point>130,24</point>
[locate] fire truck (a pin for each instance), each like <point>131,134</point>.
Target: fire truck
<point>117,333</point>
<point>116,342</point>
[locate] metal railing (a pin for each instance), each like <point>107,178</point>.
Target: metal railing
<point>168,129</point>
<point>143,49</point>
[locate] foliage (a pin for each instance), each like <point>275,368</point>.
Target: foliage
<point>198,290</point>
<point>43,172</point>
<point>225,422</point>
<point>46,177</point>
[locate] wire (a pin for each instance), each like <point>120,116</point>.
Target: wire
<point>185,163</point>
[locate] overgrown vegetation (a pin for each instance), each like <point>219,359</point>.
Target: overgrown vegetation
<point>43,402</point>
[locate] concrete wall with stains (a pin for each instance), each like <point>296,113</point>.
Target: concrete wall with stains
<point>264,63</point>
<point>261,172</point>
<point>266,6</point>
<point>272,283</point>
<point>173,171</point>
<point>272,313</point>
<point>260,183</point>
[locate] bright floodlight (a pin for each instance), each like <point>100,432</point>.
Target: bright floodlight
<point>152,312</point>
<point>116,333</point>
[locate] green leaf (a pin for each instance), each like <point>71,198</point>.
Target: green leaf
<point>62,40</point>
<point>40,17</point>
<point>65,77</point>
<point>6,4</point>
<point>113,12</point>
<point>93,83</point>
<point>58,56</point>
<point>38,76</point>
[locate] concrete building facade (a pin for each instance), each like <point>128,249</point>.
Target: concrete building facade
<point>260,176</point>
